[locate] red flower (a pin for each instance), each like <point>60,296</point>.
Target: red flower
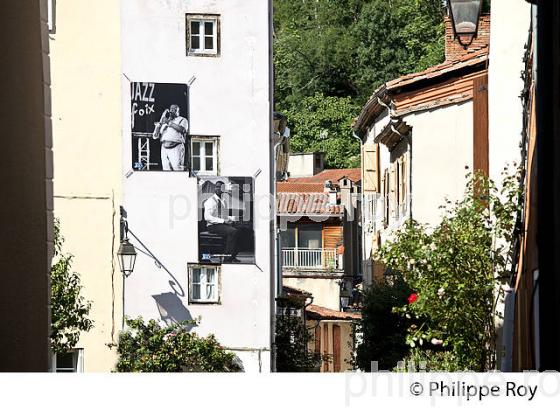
<point>412,298</point>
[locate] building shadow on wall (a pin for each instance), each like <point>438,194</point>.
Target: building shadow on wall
<point>172,310</point>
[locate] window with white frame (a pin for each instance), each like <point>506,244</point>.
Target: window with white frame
<point>71,361</point>
<point>204,155</point>
<point>203,34</point>
<point>203,284</point>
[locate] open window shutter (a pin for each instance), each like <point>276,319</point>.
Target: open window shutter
<point>371,168</point>
<point>393,194</point>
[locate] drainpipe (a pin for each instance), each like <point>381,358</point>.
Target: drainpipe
<point>361,225</point>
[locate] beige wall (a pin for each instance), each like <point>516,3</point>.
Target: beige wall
<point>442,146</point>
<point>326,292</point>
<point>86,94</point>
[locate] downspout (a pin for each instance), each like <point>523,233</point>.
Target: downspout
<point>361,225</point>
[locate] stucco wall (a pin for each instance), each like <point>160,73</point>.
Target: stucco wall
<point>229,98</point>
<point>86,104</point>
<point>508,35</point>
<point>442,144</point>
<point>326,292</point>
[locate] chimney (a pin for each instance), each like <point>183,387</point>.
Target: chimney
<point>455,50</point>
<point>346,188</point>
<point>330,190</point>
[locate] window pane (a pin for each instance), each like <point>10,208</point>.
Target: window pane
<point>196,163</point>
<point>195,292</point>
<point>196,148</point>
<point>309,236</point>
<point>196,275</point>
<point>208,42</point>
<point>208,28</point>
<point>65,360</point>
<point>195,42</point>
<point>195,27</point>
<point>209,292</point>
<point>288,237</point>
<point>209,148</point>
<point>210,275</point>
<point>209,164</point>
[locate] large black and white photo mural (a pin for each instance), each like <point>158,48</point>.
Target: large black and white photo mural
<point>160,126</point>
<point>225,228</point>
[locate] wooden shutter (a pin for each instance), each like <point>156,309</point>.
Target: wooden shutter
<point>318,339</point>
<point>371,167</point>
<point>480,124</point>
<point>332,236</point>
<point>336,348</point>
<point>393,194</point>
<point>325,346</point>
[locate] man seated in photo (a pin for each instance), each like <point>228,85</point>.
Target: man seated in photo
<point>219,222</point>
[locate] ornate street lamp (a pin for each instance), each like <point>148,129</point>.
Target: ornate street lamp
<point>127,257</point>
<point>464,17</point>
<point>126,253</point>
<point>344,298</point>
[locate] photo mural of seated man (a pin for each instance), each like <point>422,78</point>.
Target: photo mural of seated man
<point>219,222</point>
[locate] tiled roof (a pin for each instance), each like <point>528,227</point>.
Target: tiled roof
<point>295,291</point>
<point>306,204</point>
<point>353,174</point>
<point>382,95</point>
<point>464,61</point>
<point>290,186</point>
<point>322,313</point>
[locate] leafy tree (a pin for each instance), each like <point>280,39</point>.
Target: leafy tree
<point>292,339</point>
<point>322,124</point>
<point>454,271</point>
<point>383,331</point>
<point>343,50</point>
<point>69,310</point>
<point>149,347</point>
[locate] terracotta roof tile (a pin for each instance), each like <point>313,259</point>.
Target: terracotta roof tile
<point>323,313</point>
<point>290,186</point>
<point>298,203</point>
<point>353,174</point>
<point>466,60</point>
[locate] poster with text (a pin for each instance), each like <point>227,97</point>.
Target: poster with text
<point>160,126</point>
<point>225,227</point>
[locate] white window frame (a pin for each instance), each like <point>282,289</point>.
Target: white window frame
<point>202,50</point>
<point>203,283</point>
<point>78,362</point>
<point>51,16</point>
<point>203,170</point>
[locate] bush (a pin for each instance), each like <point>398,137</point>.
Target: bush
<point>292,349</point>
<point>149,347</point>
<point>69,310</point>
<point>454,270</point>
<point>383,331</point>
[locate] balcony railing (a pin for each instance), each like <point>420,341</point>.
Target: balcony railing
<point>324,259</point>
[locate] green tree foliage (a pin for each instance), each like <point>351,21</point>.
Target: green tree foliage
<point>344,49</point>
<point>453,270</point>
<point>322,124</point>
<point>150,347</point>
<point>69,310</point>
<point>292,349</point>
<point>383,331</point>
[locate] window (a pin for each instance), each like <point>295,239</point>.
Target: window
<point>386,198</point>
<point>69,362</point>
<point>203,284</point>
<point>51,16</point>
<point>203,35</point>
<point>204,155</point>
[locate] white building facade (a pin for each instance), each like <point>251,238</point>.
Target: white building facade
<point>220,52</point>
